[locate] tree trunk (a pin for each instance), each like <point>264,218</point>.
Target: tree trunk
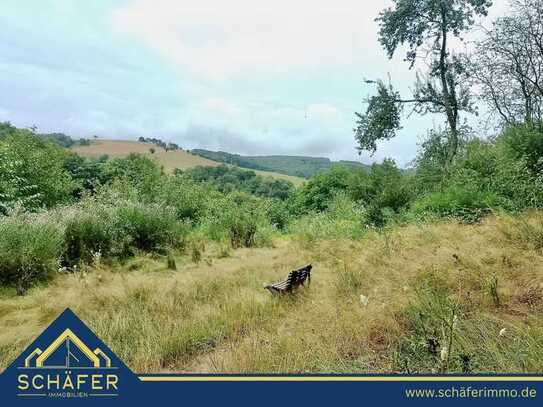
<point>450,105</point>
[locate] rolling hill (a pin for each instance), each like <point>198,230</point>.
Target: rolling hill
<point>169,159</point>
<point>298,166</point>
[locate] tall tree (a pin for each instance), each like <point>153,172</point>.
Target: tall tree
<point>425,27</point>
<point>507,64</point>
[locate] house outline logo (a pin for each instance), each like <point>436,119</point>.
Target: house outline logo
<point>68,361</point>
<point>97,358</point>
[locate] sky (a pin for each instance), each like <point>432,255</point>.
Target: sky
<point>247,77</point>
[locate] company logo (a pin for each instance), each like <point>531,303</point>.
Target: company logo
<point>68,368</point>
<point>68,361</point>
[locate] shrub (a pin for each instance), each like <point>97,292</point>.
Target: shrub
<point>319,191</point>
<point>138,171</point>
<point>150,227</point>
<point>383,190</point>
<point>525,142</point>
<point>32,173</point>
<point>278,213</point>
<point>344,219</point>
<point>29,250</point>
<point>88,231</point>
<point>117,231</point>
<point>431,342</point>
<point>239,218</point>
<point>228,179</point>
<point>462,202</point>
<point>190,200</point>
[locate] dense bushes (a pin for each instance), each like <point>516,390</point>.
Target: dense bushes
<point>342,219</point>
<point>118,231</point>
<point>34,246</point>
<point>32,175</point>
<point>238,218</point>
<point>127,205</point>
<point>228,179</point>
<point>383,190</point>
<point>504,173</point>
<point>148,227</point>
<point>457,201</point>
<point>29,250</point>
<point>89,231</point>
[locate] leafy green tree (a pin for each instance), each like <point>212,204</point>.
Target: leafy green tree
<point>425,27</point>
<point>319,191</point>
<point>32,174</point>
<point>138,171</point>
<point>88,173</point>
<point>227,179</point>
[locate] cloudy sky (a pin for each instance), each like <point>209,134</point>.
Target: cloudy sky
<point>250,77</point>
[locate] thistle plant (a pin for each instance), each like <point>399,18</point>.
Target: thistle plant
<point>493,289</point>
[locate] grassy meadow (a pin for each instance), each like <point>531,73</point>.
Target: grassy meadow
<point>425,283</point>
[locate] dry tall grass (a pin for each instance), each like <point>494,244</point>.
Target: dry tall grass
<point>215,316</point>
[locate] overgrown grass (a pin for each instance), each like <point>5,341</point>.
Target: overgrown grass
<point>425,287</point>
<point>469,204</point>
<point>343,219</point>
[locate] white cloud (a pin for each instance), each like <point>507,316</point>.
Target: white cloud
<point>275,77</point>
<point>222,39</point>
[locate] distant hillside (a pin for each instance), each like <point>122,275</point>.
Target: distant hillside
<point>170,159</point>
<point>298,166</point>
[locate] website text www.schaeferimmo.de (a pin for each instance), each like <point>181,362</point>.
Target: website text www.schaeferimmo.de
<point>454,391</point>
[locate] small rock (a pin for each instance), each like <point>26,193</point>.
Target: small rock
<point>503,331</point>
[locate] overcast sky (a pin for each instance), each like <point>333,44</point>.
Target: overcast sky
<point>249,77</point>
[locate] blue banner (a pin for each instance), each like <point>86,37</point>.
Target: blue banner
<point>67,363</point>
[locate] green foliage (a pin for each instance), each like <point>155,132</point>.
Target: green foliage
<point>239,218</point>
<point>525,143</point>
<point>191,200</point>
<point>29,250</point>
<point>88,173</point>
<point>427,25</point>
<point>343,219</point>
<point>414,23</point>
<point>59,138</point>
<point>381,120</point>
<point>7,129</point>
<point>466,203</point>
<point>316,194</point>
<point>150,227</point>
<point>431,161</point>
<point>297,166</point>
<point>98,227</point>
<point>384,191</point>
<point>502,173</point>
<point>228,179</point>
<point>433,325</point>
<point>137,170</point>
<point>32,173</point>
<point>88,231</point>
<point>278,213</point>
